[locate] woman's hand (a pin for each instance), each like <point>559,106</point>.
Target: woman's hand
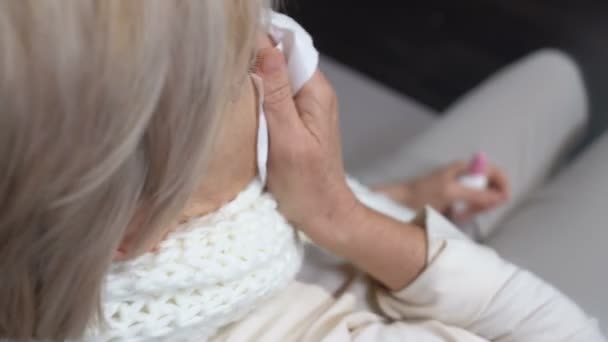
<point>441,189</point>
<point>306,172</point>
<point>306,175</point>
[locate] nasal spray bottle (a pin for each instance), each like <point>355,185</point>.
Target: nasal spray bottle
<point>475,178</point>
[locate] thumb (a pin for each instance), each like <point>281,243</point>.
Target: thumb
<point>457,168</point>
<point>278,97</point>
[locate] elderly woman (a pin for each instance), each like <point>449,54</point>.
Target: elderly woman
<point>132,209</point>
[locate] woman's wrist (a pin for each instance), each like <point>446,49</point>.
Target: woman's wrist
<point>406,193</point>
<point>391,251</point>
<point>411,195</point>
<point>331,226</point>
<point>403,193</point>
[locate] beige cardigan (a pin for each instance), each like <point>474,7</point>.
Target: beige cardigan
<point>466,293</point>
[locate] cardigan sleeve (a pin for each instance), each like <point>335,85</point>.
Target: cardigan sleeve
<point>470,286</point>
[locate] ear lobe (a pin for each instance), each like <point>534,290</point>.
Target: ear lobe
<point>121,252</point>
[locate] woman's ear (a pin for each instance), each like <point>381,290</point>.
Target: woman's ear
<point>125,247</point>
<point>123,250</point>
<point>120,254</point>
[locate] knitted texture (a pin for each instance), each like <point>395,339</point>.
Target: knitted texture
<point>211,272</point>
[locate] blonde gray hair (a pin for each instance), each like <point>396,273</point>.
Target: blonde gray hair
<point>107,114</point>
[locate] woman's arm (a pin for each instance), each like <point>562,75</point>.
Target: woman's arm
<point>305,145</point>
<point>391,251</point>
<point>448,279</point>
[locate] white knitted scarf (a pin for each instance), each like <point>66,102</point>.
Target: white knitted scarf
<point>211,272</point>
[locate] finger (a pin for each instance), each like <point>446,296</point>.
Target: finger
<point>317,100</point>
<point>318,87</point>
<point>279,105</point>
<point>499,181</point>
<point>457,169</point>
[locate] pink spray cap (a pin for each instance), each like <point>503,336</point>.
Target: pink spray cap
<point>479,164</point>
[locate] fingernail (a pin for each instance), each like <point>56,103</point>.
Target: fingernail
<point>271,63</point>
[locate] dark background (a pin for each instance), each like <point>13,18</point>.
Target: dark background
<point>434,51</point>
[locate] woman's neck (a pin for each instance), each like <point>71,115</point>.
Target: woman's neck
<point>233,163</point>
<point>232,166</point>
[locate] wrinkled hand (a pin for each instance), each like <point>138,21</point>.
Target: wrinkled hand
<point>306,175</point>
<point>305,171</point>
<point>441,189</point>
